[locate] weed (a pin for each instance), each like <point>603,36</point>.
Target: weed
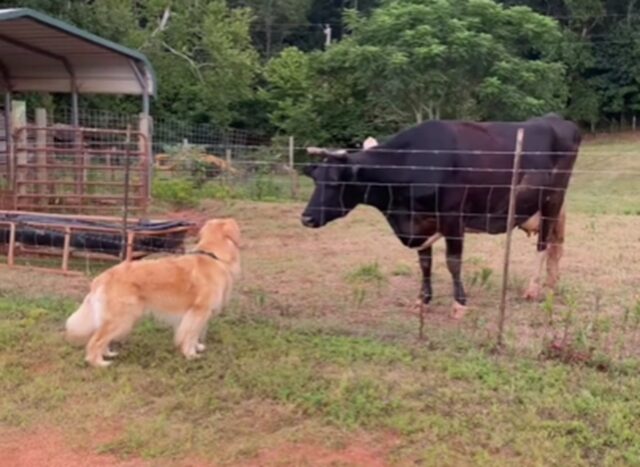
<point>401,270</point>
<point>368,274</point>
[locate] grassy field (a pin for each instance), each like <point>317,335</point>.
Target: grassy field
<point>317,361</point>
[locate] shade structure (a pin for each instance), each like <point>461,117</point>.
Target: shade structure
<point>39,53</point>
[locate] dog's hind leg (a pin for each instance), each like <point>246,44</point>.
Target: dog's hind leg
<point>98,345</point>
<point>111,330</point>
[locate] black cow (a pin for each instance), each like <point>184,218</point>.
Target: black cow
<point>445,178</point>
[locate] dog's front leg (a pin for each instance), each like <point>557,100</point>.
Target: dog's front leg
<point>200,346</point>
<point>189,331</point>
<point>110,353</point>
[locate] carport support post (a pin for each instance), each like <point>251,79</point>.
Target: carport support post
<point>510,225</point>
<point>75,120</point>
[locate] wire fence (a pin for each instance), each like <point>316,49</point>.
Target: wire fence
<point>592,316</point>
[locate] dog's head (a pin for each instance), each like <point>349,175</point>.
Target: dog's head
<point>221,237</point>
<point>215,231</point>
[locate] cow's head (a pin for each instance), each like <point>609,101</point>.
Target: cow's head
<point>336,190</point>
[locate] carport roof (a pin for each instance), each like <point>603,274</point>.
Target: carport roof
<point>41,53</point>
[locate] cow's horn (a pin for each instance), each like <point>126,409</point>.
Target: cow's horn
<point>369,143</point>
<point>314,151</point>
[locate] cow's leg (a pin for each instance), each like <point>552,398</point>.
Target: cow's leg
<point>550,234</point>
<point>454,264</point>
<point>534,288</point>
<point>555,248</point>
<point>425,257</point>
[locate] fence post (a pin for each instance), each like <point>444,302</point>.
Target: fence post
<point>510,225</point>
<point>292,169</point>
<point>227,158</point>
<point>146,152</point>
<point>126,248</point>
<point>41,154</point>
<point>19,123</point>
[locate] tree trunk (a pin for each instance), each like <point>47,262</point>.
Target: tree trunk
<point>268,29</point>
<point>418,114</point>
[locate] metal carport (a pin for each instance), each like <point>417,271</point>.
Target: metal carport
<point>39,53</point>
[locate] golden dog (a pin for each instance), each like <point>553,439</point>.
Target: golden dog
<point>185,291</point>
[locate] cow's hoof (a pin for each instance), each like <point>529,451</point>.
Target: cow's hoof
<point>419,308</point>
<point>533,292</point>
<point>459,311</point>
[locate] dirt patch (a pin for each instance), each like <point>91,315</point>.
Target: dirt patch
<point>358,453</point>
<point>47,447</point>
<point>39,284</point>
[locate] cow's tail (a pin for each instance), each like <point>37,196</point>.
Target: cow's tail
<point>84,322</point>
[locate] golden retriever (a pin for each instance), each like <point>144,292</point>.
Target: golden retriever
<point>185,291</point>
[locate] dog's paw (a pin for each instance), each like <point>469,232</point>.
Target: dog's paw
<point>192,355</point>
<point>200,347</point>
<point>110,354</point>
<point>99,363</point>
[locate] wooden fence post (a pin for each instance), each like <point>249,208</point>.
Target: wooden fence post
<point>292,169</point>
<point>510,225</point>
<point>41,155</point>
<point>126,247</point>
<point>146,152</point>
<point>19,146</point>
<point>227,157</point>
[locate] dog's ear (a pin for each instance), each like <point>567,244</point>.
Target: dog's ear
<point>231,230</point>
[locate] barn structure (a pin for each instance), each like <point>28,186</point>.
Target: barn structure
<point>59,174</point>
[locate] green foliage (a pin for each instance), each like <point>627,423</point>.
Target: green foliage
<point>410,61</point>
<point>263,65</point>
<point>178,192</point>
<point>275,20</point>
<point>205,60</point>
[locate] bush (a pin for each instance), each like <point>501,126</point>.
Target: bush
<point>179,192</point>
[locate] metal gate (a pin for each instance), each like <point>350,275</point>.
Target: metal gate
<point>77,170</point>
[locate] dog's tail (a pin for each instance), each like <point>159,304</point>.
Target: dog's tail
<point>81,325</point>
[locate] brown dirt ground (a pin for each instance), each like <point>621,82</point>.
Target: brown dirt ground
<point>298,275</point>
<point>49,448</point>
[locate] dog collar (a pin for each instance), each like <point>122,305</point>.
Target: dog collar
<point>206,253</point>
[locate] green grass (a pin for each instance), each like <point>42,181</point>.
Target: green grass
<point>606,178</point>
<point>447,403</point>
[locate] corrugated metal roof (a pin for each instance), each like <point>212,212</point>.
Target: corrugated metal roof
<point>41,53</point>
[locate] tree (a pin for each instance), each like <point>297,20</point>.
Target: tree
<point>444,58</point>
<point>275,19</point>
<point>205,60</point>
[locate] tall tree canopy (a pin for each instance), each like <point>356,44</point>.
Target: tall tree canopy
<point>264,64</point>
